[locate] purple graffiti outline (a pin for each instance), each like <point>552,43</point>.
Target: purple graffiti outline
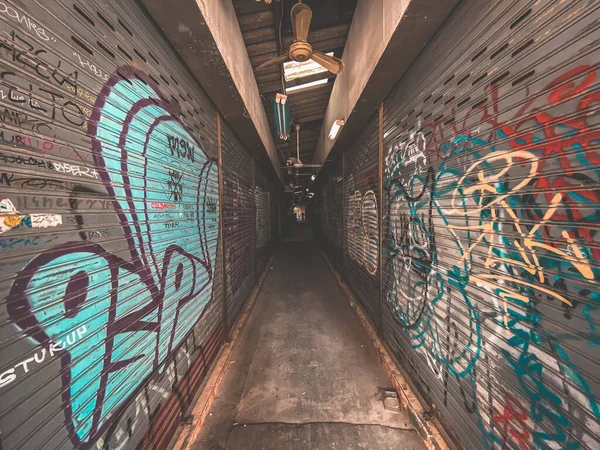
<point>19,309</point>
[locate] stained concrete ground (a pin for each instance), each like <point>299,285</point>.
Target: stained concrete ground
<point>304,375</point>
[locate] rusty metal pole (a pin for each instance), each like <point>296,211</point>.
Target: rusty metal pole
<point>226,337</point>
<point>342,265</point>
<point>380,223</point>
<point>255,218</point>
<point>329,186</point>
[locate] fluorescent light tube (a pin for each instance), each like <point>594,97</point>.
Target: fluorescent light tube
<point>335,129</point>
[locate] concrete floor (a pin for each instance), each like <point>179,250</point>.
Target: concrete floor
<point>304,376</point>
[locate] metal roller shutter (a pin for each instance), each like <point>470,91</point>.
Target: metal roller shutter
<point>108,229</point>
<point>314,211</point>
<point>275,211</point>
<point>337,218</point>
<point>239,223</point>
<point>491,239</point>
<point>324,210</point>
<point>264,219</point>
<point>361,210</point>
<point>275,214</point>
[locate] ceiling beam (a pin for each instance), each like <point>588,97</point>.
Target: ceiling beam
<point>386,36</point>
<point>213,48</point>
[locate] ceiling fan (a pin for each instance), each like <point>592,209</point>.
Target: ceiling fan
<point>296,162</point>
<point>301,50</point>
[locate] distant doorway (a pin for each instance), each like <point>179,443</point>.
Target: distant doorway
<point>300,213</point>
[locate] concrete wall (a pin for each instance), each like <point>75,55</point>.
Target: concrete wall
<point>222,21</point>
<point>374,24</point>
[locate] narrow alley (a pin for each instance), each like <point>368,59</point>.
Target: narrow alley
<point>299,224</point>
<point>304,375</point>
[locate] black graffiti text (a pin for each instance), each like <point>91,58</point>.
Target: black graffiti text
<point>181,148</point>
<point>31,161</point>
<point>175,186</point>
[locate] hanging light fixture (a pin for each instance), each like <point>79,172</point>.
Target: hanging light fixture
<point>281,112</point>
<point>335,129</point>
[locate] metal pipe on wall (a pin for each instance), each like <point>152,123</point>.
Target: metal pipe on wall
<point>343,211</point>
<point>330,188</point>
<point>255,227</point>
<point>221,227</point>
<point>380,223</point>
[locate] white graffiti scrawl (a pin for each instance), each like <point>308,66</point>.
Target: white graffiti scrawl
<point>11,218</point>
<point>407,157</point>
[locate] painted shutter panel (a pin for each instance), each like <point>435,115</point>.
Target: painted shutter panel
<point>337,218</point>
<point>325,210</point>
<point>239,223</point>
<point>491,244</point>
<point>361,210</point>
<point>109,211</point>
<point>264,215</point>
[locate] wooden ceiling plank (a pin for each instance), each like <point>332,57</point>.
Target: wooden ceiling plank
<point>258,60</point>
<point>299,103</point>
<point>311,118</point>
<point>309,106</point>
<point>262,48</point>
<point>322,34</point>
<point>256,20</point>
<point>267,88</point>
<point>268,77</point>
<point>259,35</point>
<point>243,7</point>
<point>321,89</point>
<point>309,79</point>
<point>308,111</point>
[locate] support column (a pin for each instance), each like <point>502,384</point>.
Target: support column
<point>342,265</point>
<point>226,337</point>
<point>380,224</point>
<point>330,190</point>
<point>255,215</point>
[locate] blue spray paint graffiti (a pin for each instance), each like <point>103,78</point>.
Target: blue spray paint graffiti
<point>136,309</point>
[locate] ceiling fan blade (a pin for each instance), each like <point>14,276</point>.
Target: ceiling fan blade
<point>301,17</point>
<point>331,63</point>
<point>307,165</point>
<point>273,61</point>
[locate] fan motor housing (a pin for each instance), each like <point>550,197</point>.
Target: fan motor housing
<point>300,51</point>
